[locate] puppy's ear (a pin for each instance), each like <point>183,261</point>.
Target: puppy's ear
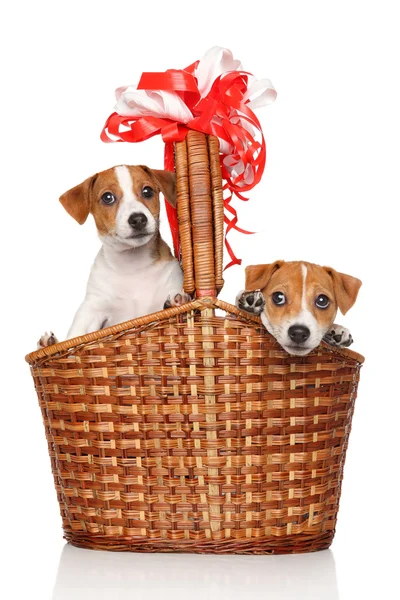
<point>257,276</point>
<point>346,289</point>
<point>77,200</point>
<point>167,182</point>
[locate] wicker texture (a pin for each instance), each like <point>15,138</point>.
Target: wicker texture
<point>188,431</point>
<point>200,213</point>
<point>197,433</point>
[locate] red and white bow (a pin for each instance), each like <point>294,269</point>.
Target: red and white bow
<point>213,95</point>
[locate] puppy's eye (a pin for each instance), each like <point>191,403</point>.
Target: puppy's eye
<point>108,198</point>
<point>278,298</point>
<point>322,301</point>
<point>147,192</point>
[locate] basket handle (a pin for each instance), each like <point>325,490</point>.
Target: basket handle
<point>200,209</point>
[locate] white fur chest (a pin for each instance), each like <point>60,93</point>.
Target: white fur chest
<point>126,285</point>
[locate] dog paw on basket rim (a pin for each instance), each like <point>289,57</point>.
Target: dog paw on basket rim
<point>177,299</point>
<point>47,339</point>
<point>252,302</point>
<point>338,336</point>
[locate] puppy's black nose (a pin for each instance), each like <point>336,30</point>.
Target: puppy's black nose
<point>138,221</point>
<point>298,333</point>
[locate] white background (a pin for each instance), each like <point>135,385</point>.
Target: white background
<point>329,195</point>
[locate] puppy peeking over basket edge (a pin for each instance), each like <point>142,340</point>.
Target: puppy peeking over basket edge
<point>298,302</point>
<point>134,272</point>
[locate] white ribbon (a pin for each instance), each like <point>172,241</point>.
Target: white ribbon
<point>132,102</point>
<point>214,63</point>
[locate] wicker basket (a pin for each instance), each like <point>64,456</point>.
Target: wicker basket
<point>188,431</point>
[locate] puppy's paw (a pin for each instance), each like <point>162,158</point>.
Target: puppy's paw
<point>338,336</point>
<point>177,299</point>
<point>47,339</point>
<point>252,302</point>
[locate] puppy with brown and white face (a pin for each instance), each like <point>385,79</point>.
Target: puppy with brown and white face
<point>134,272</point>
<point>298,302</point>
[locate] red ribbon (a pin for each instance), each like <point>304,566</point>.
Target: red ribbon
<point>220,113</point>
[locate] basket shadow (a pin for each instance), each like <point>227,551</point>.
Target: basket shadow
<point>94,575</point>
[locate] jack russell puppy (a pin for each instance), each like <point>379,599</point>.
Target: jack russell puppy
<point>298,302</point>
<point>134,273</point>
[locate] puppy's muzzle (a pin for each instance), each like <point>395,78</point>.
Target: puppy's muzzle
<point>138,222</point>
<point>299,333</point>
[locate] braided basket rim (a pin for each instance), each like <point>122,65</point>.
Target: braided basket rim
<point>138,323</point>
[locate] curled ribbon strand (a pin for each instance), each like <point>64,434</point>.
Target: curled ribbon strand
<point>213,96</point>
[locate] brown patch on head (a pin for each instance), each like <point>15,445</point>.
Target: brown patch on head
<point>105,215</point>
<point>345,288</point>
<point>141,179</point>
<point>86,197</point>
<point>107,181</point>
<point>319,284</point>
<point>280,276</point>
<point>162,181</point>
<point>288,278</point>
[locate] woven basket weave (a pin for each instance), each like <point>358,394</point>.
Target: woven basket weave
<point>188,431</point>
